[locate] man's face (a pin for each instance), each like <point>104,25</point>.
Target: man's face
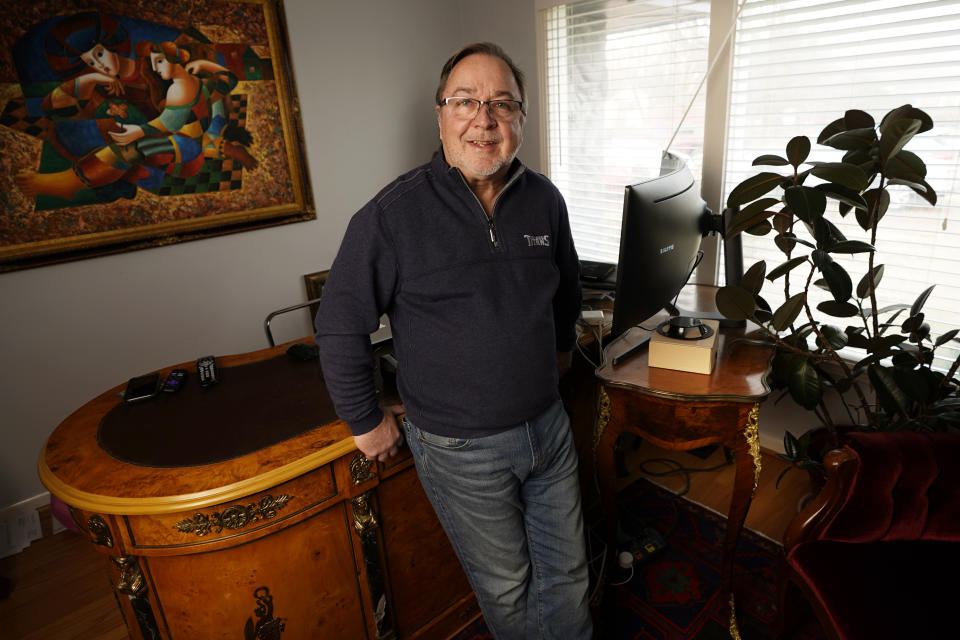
<point>481,147</point>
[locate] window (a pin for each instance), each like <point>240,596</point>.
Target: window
<point>800,64</point>
<point>619,76</point>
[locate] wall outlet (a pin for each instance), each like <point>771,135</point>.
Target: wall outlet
<point>20,524</point>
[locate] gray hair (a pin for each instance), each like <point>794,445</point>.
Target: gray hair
<point>485,48</point>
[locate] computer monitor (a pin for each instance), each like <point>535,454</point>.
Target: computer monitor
<point>664,219</point>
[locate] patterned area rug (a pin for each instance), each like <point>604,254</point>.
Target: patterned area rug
<point>674,594</point>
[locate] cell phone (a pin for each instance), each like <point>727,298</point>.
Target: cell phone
<point>142,387</point>
<point>174,381</point>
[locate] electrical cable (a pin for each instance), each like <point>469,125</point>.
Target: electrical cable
<point>710,67</point>
<point>623,582</point>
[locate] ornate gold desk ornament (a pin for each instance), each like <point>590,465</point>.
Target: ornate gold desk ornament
<point>234,517</point>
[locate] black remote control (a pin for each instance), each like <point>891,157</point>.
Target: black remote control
<point>174,381</point>
<point>207,370</point>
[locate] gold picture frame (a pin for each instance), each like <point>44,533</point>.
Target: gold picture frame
<point>190,129</point>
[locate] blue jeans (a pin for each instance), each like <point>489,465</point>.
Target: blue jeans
<point>510,505</point>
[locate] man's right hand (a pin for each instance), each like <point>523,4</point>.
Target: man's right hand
<point>384,440</point>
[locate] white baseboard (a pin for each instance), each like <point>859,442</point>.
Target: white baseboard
<point>20,524</point>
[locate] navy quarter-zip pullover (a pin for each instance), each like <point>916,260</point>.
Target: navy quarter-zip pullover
<point>478,306</point>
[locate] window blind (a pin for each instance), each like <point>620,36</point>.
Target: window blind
<point>619,76</point>
<point>800,64</point>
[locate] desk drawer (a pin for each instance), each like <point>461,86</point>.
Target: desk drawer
<point>235,521</point>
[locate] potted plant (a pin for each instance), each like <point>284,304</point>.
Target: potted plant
<point>892,383</point>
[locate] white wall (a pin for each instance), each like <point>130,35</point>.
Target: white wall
<point>70,331</point>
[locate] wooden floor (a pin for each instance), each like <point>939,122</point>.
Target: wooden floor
<point>60,589</point>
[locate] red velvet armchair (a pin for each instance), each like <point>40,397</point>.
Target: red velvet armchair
<point>877,552</point>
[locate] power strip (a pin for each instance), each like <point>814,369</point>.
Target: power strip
<point>649,542</point>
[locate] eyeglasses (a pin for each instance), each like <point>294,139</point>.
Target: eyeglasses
<point>468,108</point>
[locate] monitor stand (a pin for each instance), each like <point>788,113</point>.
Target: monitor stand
<point>725,323</point>
<point>637,343</point>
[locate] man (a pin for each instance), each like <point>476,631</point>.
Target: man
<point>471,257</point>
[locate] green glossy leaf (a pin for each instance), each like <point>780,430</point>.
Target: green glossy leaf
<point>753,187</point>
<point>883,346</point>
<point>891,398</point>
<point>847,175</point>
<point>838,309</point>
<point>947,337</point>
<point>735,302</point>
<point>791,446</point>
<point>825,233</point>
<point>926,192</point>
<point>805,385</point>
<point>787,241</point>
<point>759,229</point>
<point>835,337</point>
<point>905,359</point>
<point>921,300</point>
<point>837,126</point>
<point>787,266</point>
<point>907,165</point>
<point>807,203</point>
<point>896,135</point>
<point>788,311</point>
<point>752,279</point>
<point>907,111</point>
<point>838,280</point>
<point>770,160</point>
<point>855,338</point>
<point>783,221</point>
<point>869,282</point>
<point>878,201</point>
<point>852,246</point>
<point>820,232</point>
<point>867,159</point>
<point>763,305</point>
<point>843,194</point>
<point>912,323</point>
<point>752,214</point>
<point>857,119</point>
<point>852,139</point>
<point>899,308</point>
<point>798,149</point>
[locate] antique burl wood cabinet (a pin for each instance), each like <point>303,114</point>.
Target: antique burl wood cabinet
<point>245,511</point>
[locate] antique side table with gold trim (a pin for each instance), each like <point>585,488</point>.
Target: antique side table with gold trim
<point>677,410</point>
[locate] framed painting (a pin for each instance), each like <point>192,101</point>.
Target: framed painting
<point>128,124</point>
<point>314,284</point>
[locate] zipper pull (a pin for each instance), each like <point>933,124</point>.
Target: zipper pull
<point>493,237</point>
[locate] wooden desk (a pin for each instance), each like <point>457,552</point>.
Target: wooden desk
<point>678,410</point>
<point>245,511</point>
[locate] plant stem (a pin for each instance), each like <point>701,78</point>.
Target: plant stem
<point>832,355</point>
<point>874,219</point>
